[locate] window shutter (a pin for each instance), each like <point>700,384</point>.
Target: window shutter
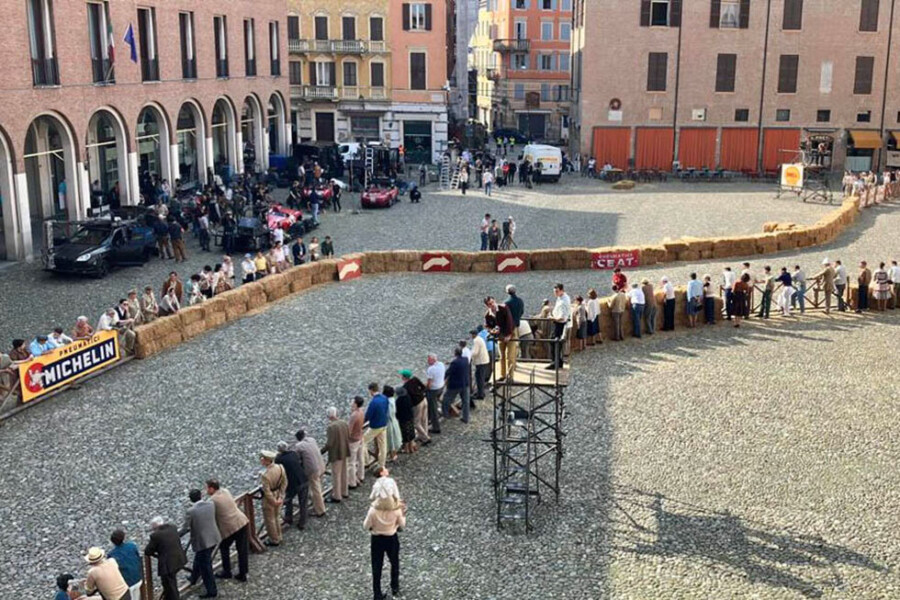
<point>745,14</point>
<point>793,15</point>
<point>863,80</point>
<point>675,13</point>
<point>715,12</point>
<point>312,74</point>
<point>645,13</point>
<point>405,16</point>
<point>725,71</point>
<point>868,15</point>
<point>657,71</point>
<point>332,74</point>
<point>787,73</point>
<point>427,17</point>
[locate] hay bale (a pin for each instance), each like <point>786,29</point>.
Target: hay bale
<point>676,246</point>
<point>770,226</point>
<point>326,271</point>
<point>374,262</point>
<point>625,184</point>
<point>214,320</point>
<point>145,349</point>
<point>275,287</point>
<point>170,341</point>
<point>192,314</point>
<point>482,267</point>
<point>461,262</point>
<point>194,329</point>
<point>256,294</point>
<point>766,244</point>
<point>302,283</point>
<point>651,255</point>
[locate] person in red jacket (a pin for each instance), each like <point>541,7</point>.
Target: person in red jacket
<point>619,280</point>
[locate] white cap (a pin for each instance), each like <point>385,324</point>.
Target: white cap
<point>826,262</point>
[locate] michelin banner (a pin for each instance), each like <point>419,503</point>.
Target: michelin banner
<point>67,364</point>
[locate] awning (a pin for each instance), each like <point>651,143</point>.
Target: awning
<point>865,140</point>
<point>896,136</point>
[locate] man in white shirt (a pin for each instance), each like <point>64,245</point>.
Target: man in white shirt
<point>485,226</point>
<point>57,338</point>
<point>481,360</point>
<point>799,278</point>
<point>638,301</point>
<point>561,315</point>
<point>840,284</point>
<point>894,277</point>
<point>248,268</point>
<point>694,299</point>
<point>434,386</point>
<point>278,235</point>
<point>728,279</point>
<point>109,321</point>
<point>669,306</point>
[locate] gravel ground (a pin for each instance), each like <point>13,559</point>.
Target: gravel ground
<point>694,469</point>
<point>576,213</point>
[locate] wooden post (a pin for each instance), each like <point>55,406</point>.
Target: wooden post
<point>147,586</point>
<point>256,546</point>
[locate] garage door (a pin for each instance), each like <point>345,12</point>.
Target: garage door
<point>779,146</point>
<point>740,147</point>
<point>613,145</point>
<point>697,148</point>
<point>655,146</point>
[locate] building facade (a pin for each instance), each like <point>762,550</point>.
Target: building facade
<point>522,52</point>
<point>370,71</point>
<point>737,84</point>
<point>84,120</point>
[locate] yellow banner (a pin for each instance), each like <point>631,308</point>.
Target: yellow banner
<point>67,364</point>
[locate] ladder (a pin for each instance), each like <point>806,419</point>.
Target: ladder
<point>445,173</point>
<point>369,166</point>
<point>454,180</point>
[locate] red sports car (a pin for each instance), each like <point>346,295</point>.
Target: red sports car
<point>380,194</point>
<point>282,216</point>
<point>324,190</point>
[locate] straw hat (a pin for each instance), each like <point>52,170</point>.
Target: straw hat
<point>95,555</point>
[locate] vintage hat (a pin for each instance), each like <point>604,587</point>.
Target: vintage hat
<point>248,255</point>
<point>405,373</point>
<point>95,555</point>
<point>267,454</point>
<point>826,261</point>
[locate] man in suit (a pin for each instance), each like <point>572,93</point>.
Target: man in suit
<point>337,445</point>
<point>200,520</point>
<point>826,278</point>
<point>313,466</point>
<point>232,524</point>
<point>297,484</point>
<point>273,483</point>
<point>165,545</point>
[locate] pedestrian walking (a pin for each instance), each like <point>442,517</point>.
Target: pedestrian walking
<point>176,235</point>
<point>386,516</point>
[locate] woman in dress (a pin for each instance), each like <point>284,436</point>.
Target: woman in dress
<point>581,323</point>
<point>406,418</point>
<point>394,437</point>
<point>593,316</point>
<point>740,293</point>
<point>709,301</point>
<point>882,283</point>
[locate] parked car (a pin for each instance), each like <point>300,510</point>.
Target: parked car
<point>282,216</point>
<point>101,244</point>
<point>381,193</point>
<point>324,190</point>
<point>513,134</point>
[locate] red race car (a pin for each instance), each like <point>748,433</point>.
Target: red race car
<point>323,190</point>
<point>381,193</point>
<point>282,216</point>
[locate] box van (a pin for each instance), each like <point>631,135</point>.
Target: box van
<point>550,158</point>
<point>350,150</point>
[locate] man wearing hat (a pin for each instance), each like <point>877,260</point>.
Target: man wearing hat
<point>165,545</point>
<point>103,576</point>
<point>248,268</point>
<point>826,278</point>
<point>200,520</point>
<point>274,484</point>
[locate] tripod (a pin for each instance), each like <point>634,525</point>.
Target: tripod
<point>507,242</point>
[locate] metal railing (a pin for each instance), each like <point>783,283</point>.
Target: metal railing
<point>513,45</point>
<point>319,92</point>
<point>335,46</point>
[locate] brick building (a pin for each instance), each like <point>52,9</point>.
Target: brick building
<point>370,70</point>
<point>79,119</point>
<point>521,50</point>
<point>740,84</point>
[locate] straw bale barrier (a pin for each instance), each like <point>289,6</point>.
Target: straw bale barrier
<point>167,332</point>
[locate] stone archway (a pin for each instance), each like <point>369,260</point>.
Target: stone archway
<point>107,161</point>
<point>275,122</point>
<point>190,146</point>
<point>52,185</point>
<point>224,139</point>
<point>255,153</point>
<point>153,153</point>
<point>12,245</point>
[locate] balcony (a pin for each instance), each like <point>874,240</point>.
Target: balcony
<point>492,73</point>
<point>334,46</point>
<point>512,45</point>
<point>44,71</point>
<point>332,93</point>
<point>319,92</point>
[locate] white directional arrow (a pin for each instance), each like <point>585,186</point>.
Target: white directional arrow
<point>438,261</point>
<point>351,267</point>
<point>514,262</point>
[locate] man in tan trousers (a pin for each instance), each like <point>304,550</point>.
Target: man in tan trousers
<point>826,278</point>
<point>337,445</point>
<point>273,482</point>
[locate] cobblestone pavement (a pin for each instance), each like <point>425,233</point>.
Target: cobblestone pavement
<point>576,213</point>
<point>694,469</point>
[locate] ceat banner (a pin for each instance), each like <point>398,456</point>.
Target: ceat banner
<point>611,260</point>
<point>67,364</point>
<point>436,263</point>
<point>349,269</point>
<point>512,262</point>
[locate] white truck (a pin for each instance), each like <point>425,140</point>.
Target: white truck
<point>549,157</point>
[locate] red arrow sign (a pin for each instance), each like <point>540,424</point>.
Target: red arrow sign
<point>349,269</point>
<point>435,263</point>
<point>514,262</point>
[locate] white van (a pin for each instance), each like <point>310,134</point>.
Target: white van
<point>550,158</point>
<point>350,150</point>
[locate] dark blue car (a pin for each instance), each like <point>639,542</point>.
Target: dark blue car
<point>99,245</point>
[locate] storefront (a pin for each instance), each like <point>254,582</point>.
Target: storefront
<point>365,127</point>
<point>863,146</point>
<point>417,141</point>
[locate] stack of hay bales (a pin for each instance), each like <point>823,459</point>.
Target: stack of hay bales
<point>161,334</point>
<point>375,262</point>
<point>276,286</point>
<point>625,184</point>
<point>551,260</point>
<point>651,255</point>
<point>256,295</point>
<point>235,301</point>
<point>463,262</point>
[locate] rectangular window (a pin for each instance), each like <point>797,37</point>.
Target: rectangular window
<point>546,31</point>
<point>862,84</point>
<point>565,5</point>
<point>826,76</point>
<point>188,49</point>
<point>564,62</point>
<point>41,38</point>
<point>321,27</point>
<point>293,22</point>
<point>657,71</point>
<point>726,65</point>
<point>562,93</point>
<point>376,29</point>
<point>417,71</point>
<point>322,74</point>
<point>864,116</point>
<point>565,31</point>
<point>348,28</point>
<point>417,16</point>
<point>295,72</point>
<point>376,78</point>
<point>868,15</point>
<point>793,15</point>
<point>147,44</point>
<point>657,13</point>
<point>102,42</point>
<point>350,79</point>
<point>742,115</point>
<point>249,48</point>
<point>519,93</point>
<point>782,115</point>
<point>548,4</point>
<point>274,50</point>
<point>546,62</point>
<point>545,92</point>
<point>823,116</point>
<point>521,4</point>
<point>787,73</point>
<point>520,62</point>
<point>521,30</point>
<point>221,43</point>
